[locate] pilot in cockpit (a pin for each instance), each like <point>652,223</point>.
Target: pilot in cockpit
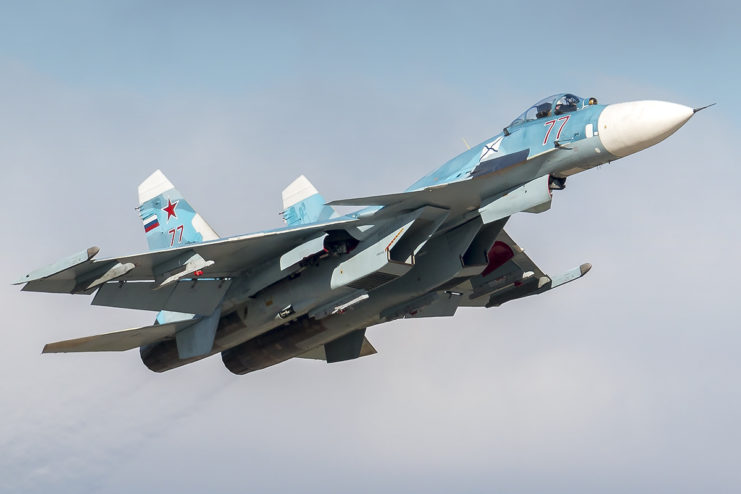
<point>552,105</point>
<point>566,103</point>
<point>543,110</point>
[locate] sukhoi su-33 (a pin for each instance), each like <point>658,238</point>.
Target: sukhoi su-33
<point>313,287</point>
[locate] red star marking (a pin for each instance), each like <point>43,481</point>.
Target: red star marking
<point>170,209</point>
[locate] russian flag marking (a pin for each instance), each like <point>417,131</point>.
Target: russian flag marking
<point>151,223</point>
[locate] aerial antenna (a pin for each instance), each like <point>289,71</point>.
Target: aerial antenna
<point>695,110</point>
<point>465,142</point>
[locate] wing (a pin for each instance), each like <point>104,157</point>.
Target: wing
<point>222,258</point>
<point>510,275</point>
<point>225,258</point>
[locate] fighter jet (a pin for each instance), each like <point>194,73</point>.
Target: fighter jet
<point>311,288</point>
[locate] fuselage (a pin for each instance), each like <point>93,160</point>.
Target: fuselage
<point>596,134</point>
<point>304,309</point>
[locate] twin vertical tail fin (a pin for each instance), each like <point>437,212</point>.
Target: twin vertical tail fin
<point>303,204</point>
<point>169,221</point>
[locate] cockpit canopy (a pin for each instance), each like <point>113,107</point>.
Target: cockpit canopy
<point>552,105</point>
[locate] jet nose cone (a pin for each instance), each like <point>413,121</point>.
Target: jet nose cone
<point>626,128</point>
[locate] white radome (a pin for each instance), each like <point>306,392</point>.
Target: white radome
<point>626,128</point>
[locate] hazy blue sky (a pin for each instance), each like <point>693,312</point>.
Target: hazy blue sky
<point>625,381</point>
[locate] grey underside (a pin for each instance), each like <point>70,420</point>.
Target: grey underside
<point>260,260</point>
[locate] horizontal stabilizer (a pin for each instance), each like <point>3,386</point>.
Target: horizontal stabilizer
<point>118,341</point>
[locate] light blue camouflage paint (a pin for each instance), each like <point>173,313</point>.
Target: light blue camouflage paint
<point>310,210</point>
<point>175,227</point>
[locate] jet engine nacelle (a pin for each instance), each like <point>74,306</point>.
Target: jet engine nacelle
<point>164,355</point>
<point>389,253</point>
<point>294,339</point>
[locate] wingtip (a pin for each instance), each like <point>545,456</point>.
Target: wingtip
<point>23,279</point>
<point>584,268</point>
<point>59,266</point>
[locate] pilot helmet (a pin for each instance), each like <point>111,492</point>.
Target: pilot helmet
<point>543,110</point>
<point>566,103</point>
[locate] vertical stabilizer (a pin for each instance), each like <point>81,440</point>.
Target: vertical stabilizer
<point>303,204</point>
<point>169,221</point>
